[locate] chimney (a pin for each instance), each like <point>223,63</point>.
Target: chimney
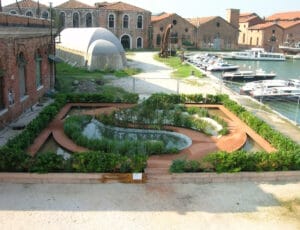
<point>233,16</point>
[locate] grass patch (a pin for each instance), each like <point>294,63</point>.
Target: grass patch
<point>127,72</point>
<point>181,69</point>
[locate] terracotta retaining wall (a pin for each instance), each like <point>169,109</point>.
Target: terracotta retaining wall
<point>95,178</point>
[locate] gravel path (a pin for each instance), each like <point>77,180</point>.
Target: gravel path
<point>243,205</point>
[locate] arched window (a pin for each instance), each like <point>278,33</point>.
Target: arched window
<point>111,21</point>
<point>75,19</point>
<point>88,20</point>
<point>45,14</point>
<point>158,39</point>
<point>125,21</point>
<point>139,43</point>
<point>38,69</point>
<point>29,14</point>
<point>125,41</point>
<point>140,22</point>
<point>22,74</point>
<point>62,19</point>
<point>13,12</point>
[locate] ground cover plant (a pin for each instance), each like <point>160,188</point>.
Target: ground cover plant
<point>69,78</point>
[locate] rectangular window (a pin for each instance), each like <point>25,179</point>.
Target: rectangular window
<point>38,73</point>
<point>2,106</point>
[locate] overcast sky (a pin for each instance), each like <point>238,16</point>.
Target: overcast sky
<point>200,8</point>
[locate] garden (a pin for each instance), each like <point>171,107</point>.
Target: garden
<point>125,155</point>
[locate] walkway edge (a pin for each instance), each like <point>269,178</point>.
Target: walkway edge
<point>200,178</point>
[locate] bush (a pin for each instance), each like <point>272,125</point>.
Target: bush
<point>47,162</point>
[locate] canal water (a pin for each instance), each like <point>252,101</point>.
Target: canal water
<point>289,69</point>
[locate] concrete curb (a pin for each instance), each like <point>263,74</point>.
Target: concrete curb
<point>198,178</point>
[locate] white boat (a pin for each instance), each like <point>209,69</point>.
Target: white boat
<point>294,82</point>
<point>291,48</point>
<point>263,84</point>
<point>285,93</point>
<point>222,66</point>
<point>248,75</point>
<point>257,54</point>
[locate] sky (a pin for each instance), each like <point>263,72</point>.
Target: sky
<point>199,8</point>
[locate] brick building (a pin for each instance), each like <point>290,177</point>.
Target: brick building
<point>215,33</point>
<point>26,73</point>
<point>182,34</point>
<point>28,8</point>
<point>270,32</point>
<point>129,23</point>
<point>76,14</point>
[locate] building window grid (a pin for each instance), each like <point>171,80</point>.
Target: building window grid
<point>139,22</point>
<point>111,21</point>
<point>76,19</point>
<point>139,43</point>
<point>126,21</point>
<point>38,70</point>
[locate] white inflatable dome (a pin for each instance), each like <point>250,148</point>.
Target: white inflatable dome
<point>80,45</point>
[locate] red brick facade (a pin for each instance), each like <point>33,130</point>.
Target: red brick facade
<point>24,51</point>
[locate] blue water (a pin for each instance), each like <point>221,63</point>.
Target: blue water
<point>284,70</point>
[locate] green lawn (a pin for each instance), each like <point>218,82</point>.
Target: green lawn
<point>181,69</point>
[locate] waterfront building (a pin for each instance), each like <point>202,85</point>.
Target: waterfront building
<point>182,34</point>
<point>215,33</point>
<point>26,72</point>
<point>269,33</point>
<point>245,21</point>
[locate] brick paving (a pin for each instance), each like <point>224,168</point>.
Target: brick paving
<point>202,144</point>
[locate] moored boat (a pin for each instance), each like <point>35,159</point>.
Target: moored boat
<point>222,66</point>
<point>286,93</point>
<point>256,54</point>
<point>291,48</point>
<point>263,84</point>
<point>248,75</point>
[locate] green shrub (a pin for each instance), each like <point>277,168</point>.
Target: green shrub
<point>13,160</point>
<point>47,162</point>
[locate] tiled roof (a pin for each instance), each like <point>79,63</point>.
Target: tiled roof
<point>284,16</point>
<point>202,20</point>
<point>156,18</point>
<point>121,6</point>
<point>73,4</point>
<point>262,26</point>
<point>288,24</point>
<point>26,4</point>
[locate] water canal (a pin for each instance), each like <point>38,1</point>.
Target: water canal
<point>289,69</point>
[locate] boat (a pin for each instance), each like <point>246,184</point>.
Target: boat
<point>248,75</point>
<point>285,93</point>
<point>222,66</point>
<point>262,84</point>
<point>294,82</point>
<point>289,48</point>
<point>256,54</point>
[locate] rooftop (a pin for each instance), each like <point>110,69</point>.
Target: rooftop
<point>202,20</point>
<point>292,15</point>
<point>73,4</point>
<point>26,4</point>
<point>120,6</point>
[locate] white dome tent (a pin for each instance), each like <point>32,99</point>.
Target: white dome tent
<point>93,48</point>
